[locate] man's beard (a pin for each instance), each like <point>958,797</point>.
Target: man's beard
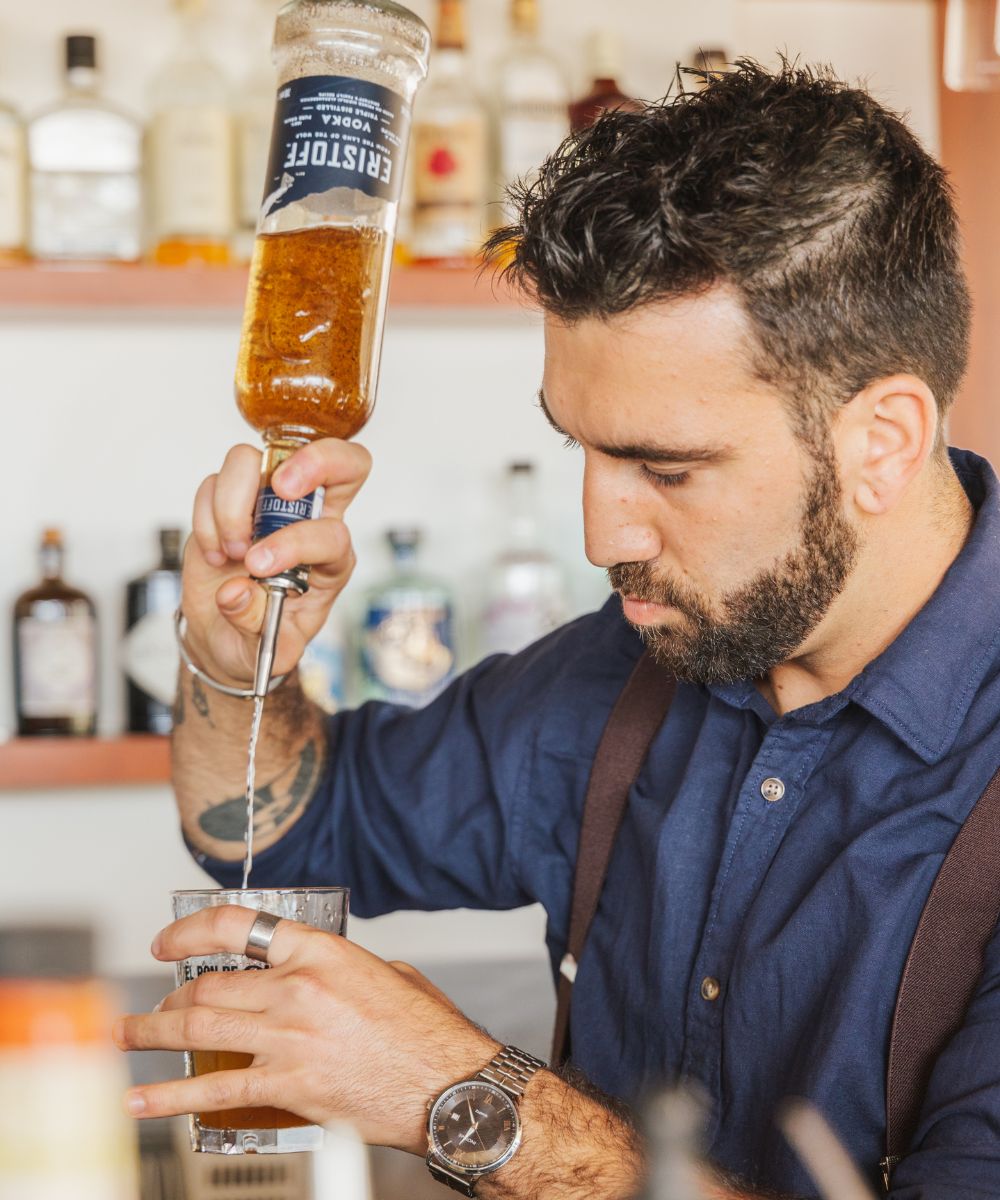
<point>766,619</point>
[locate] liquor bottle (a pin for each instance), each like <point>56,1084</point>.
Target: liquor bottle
<point>149,649</point>
<point>13,185</point>
<point>532,98</point>
<point>526,594</point>
<point>254,119</point>
<point>604,54</point>
<point>191,151</point>
<point>451,153</point>
<point>85,158</point>
<point>407,635</point>
<point>55,653</point>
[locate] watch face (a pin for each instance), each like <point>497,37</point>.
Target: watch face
<point>475,1126</point>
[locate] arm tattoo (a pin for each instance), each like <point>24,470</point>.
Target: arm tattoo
<point>179,713</point>
<point>200,699</point>
<point>274,804</point>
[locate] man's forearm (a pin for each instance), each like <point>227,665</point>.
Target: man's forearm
<point>209,756</point>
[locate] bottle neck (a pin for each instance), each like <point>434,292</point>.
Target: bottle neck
<point>51,558</point>
<point>404,560</point>
<point>522,528</point>
<point>83,81</point>
<point>524,21</point>
<point>451,26</point>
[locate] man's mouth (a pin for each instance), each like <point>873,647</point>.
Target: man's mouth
<point>644,612</point>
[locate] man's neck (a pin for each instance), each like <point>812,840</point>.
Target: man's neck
<point>888,587</point>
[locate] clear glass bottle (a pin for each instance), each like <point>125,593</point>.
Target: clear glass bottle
<point>55,653</point>
<point>407,637</point>
<point>85,159</point>
<point>323,666</point>
<point>450,151</point>
<point>13,185</point>
<point>149,648</point>
<point>191,151</point>
<point>532,98</point>
<point>526,591</point>
<point>605,57</point>
<point>254,119</point>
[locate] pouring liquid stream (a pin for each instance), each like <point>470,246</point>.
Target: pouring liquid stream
<point>258,712</point>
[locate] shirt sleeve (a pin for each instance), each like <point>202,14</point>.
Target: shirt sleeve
<point>421,809</point>
<point>956,1153</point>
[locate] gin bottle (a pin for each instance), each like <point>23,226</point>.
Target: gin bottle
<point>407,638</point>
<point>526,596</point>
<point>85,158</point>
<point>149,650</point>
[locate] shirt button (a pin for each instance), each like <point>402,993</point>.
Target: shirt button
<point>772,789</point>
<point>710,988</point>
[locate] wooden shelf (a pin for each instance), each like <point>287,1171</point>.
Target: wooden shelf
<point>50,762</point>
<point>32,288</point>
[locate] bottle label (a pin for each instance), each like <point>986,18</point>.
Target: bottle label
<point>192,154</point>
<point>450,165</point>
<point>408,651</point>
<point>331,131</point>
<point>58,666</point>
<point>510,625</point>
<point>150,658</point>
<point>13,187</point>
<point>272,513</point>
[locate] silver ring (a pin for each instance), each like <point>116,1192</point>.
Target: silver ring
<point>261,936</point>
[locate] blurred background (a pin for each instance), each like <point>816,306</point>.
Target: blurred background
<point>117,379</point>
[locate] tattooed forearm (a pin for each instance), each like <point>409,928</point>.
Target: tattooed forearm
<point>275,803</point>
<point>199,698</point>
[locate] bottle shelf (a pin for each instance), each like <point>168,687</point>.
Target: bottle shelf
<point>36,288</point>
<point>62,762</point>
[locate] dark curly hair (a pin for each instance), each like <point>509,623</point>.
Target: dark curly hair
<point>813,202</point>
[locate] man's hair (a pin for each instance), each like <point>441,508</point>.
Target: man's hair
<point>813,202</point>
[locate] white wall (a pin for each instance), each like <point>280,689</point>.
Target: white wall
<point>109,425</point>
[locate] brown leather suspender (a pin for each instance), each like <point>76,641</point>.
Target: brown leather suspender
<point>946,956</point>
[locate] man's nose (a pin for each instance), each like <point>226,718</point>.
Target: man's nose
<point>618,526</point>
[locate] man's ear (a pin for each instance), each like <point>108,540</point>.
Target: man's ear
<point>887,432</point>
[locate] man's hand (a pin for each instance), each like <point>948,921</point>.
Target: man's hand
<point>336,1033</point>
<point>223,606</point>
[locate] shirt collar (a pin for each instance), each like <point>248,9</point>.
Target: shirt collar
<point>922,684</point>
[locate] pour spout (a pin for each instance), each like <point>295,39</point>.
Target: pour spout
<point>268,640</point>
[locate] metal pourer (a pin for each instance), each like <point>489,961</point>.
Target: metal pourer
<point>277,590</point>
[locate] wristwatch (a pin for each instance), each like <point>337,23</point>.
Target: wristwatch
<point>474,1126</point>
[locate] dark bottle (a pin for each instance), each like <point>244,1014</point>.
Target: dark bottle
<point>149,650</point>
<point>604,54</point>
<point>55,653</point>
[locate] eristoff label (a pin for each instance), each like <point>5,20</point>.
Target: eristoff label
<point>273,513</point>
<point>333,131</point>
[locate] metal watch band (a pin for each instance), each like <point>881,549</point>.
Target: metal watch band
<point>511,1070</point>
<point>466,1184</point>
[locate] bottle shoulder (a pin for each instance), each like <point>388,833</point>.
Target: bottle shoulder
<point>84,133</point>
<point>189,82</point>
<point>51,590</point>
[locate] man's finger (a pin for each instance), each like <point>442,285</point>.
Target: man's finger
<point>190,1029</point>
<point>203,528</point>
<point>224,930</point>
<point>235,495</point>
<point>245,991</point>
<point>215,1092</point>
<point>340,467</point>
<point>324,541</point>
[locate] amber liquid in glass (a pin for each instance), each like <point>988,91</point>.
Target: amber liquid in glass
<point>207,1061</point>
<point>309,330</point>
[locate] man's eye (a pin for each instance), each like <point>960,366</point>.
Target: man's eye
<point>659,479</point>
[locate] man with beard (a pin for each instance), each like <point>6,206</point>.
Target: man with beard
<point>755,321</point>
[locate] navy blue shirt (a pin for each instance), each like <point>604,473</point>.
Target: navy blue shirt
<point>802,908</point>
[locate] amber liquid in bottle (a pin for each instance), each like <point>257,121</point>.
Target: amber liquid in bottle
<point>310,331</point>
<point>208,1061</point>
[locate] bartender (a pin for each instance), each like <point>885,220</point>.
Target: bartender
<point>756,320</point>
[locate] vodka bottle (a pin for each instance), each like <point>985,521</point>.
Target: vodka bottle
<point>55,652</point>
<point>532,98</point>
<point>149,649</point>
<point>450,152</point>
<point>526,595</point>
<point>191,151</point>
<point>407,639</point>
<point>13,184</point>
<point>85,159</point>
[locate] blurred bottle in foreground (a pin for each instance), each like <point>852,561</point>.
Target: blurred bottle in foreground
<point>531,97</point>
<point>191,151</point>
<point>55,653</point>
<point>63,1133</point>
<point>85,158</point>
<point>604,58</point>
<point>450,152</point>
<point>526,596</point>
<point>407,634</point>
<point>13,185</point>
<point>149,648</point>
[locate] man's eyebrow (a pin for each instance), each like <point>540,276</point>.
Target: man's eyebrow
<point>647,451</point>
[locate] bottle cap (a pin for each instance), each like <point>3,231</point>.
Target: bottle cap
<point>52,537</point>
<point>170,543</point>
<point>521,468</point>
<point>524,16</point>
<point>81,51</point>
<point>403,539</point>
<point>451,25</point>
<point>604,53</point>
<point>54,1012</point>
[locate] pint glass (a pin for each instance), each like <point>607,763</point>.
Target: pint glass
<point>253,1130</point>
